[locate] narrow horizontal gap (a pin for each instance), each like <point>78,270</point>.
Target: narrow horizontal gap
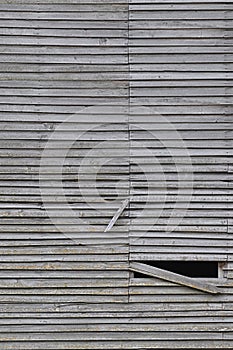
<point>195,269</point>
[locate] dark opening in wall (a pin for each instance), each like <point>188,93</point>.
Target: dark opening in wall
<point>198,269</point>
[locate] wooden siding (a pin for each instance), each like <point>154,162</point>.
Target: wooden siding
<point>180,67</point>
<point>179,54</point>
<point>74,290</point>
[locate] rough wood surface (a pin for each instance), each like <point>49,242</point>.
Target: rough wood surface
<point>74,290</point>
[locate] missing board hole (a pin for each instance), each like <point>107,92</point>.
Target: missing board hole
<point>194,269</point>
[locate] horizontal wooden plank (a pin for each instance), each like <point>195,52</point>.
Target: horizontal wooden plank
<point>61,274</point>
<point>183,14</point>
<point>66,51</point>
<point>70,23</point>
<point>67,33</point>
<point>195,242</point>
<point>53,319</point>
<point>113,14</point>
<point>179,6</point>
<point>180,58</point>
<point>78,253</point>
<point>178,344</point>
<point>111,336</point>
<point>64,265</point>
<point>10,43</point>
<point>218,327</point>
<point>64,7</point>
<point>179,256</point>
<point>65,298</point>
<point>182,23</point>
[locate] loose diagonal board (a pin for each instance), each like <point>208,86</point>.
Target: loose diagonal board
<point>117,214</point>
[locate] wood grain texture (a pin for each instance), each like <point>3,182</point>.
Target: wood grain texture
<point>177,70</point>
<point>74,289</point>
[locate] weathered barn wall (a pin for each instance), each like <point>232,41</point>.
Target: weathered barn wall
<point>180,64</point>
<point>74,290</point>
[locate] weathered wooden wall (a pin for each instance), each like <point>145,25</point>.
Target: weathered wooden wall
<point>180,64</point>
<point>74,290</point>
